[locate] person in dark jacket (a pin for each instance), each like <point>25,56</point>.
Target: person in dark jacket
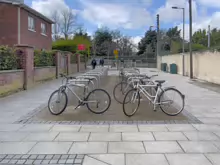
<point>93,63</point>
<point>102,62</point>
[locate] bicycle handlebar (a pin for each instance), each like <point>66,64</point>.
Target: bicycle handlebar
<point>63,75</point>
<point>149,77</point>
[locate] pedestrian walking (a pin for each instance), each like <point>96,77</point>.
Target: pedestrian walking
<point>93,63</point>
<point>102,62</point>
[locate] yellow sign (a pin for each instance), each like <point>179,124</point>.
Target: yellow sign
<point>116,52</point>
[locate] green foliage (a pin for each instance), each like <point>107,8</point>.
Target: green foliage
<point>65,45</point>
<point>148,41</point>
<point>8,58</point>
<point>174,33</point>
<point>43,58</point>
<point>176,47</point>
<point>102,38</point>
<point>198,47</point>
<point>200,37</point>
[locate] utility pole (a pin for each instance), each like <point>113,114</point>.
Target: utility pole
<point>158,34</point>
<point>190,39</point>
<point>209,36</point>
<point>183,42</point>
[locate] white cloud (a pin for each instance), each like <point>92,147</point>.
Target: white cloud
<point>169,15</point>
<point>116,15</point>
<point>210,3</point>
<point>48,7</point>
<point>136,39</point>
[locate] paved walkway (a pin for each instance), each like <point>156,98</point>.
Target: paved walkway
<point>136,144</point>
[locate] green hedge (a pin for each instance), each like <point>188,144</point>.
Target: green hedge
<point>44,58</point>
<point>64,45</point>
<point>8,58</point>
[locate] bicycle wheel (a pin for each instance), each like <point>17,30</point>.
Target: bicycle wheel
<point>120,90</point>
<point>170,105</point>
<point>132,96</point>
<point>98,101</point>
<point>60,99</point>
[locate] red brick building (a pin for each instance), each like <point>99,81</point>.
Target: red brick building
<point>20,24</point>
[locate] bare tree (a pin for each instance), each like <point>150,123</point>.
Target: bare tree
<point>68,22</point>
<point>56,29</point>
<point>125,45</point>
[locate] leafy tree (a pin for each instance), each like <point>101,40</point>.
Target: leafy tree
<point>101,42</point>
<point>149,39</point>
<point>200,37</point>
<point>173,33</point>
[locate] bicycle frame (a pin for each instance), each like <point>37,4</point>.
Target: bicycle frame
<point>151,98</point>
<point>74,93</point>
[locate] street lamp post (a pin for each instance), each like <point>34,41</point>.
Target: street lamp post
<point>190,39</point>
<point>183,46</point>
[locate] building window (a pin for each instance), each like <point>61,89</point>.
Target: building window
<point>31,23</point>
<point>43,29</point>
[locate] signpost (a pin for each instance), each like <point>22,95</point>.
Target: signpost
<point>116,53</point>
<point>81,47</point>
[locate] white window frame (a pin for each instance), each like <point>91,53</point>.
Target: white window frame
<point>31,23</point>
<point>43,30</point>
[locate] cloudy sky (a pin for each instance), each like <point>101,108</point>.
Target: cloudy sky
<point>133,17</point>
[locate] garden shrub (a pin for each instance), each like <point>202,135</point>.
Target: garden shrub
<point>8,58</point>
<point>44,58</point>
<point>64,45</point>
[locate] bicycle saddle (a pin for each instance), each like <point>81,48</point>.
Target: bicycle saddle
<point>160,81</point>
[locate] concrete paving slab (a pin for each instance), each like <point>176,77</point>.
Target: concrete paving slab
<point>152,128</point>
<point>49,136</point>
<point>105,137</point>
<point>126,147</point>
<point>198,147</point>
<point>16,147</point>
<point>143,159</point>
<point>72,137</point>
<point>138,136</point>
<point>162,147</point>
<point>214,158</point>
<point>201,136</point>
<point>113,159</point>
<point>169,136</point>
<point>88,148</point>
<point>51,148</point>
<point>65,128</point>
<point>183,159</point>
<point>123,128</point>
<point>94,128</point>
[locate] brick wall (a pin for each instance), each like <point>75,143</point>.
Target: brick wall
<point>29,76</point>
<point>44,73</point>
<point>11,81</point>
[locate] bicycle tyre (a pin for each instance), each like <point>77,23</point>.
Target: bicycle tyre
<point>183,101</point>
<point>104,92</point>
<point>119,85</point>
<point>65,104</point>
<point>124,102</point>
